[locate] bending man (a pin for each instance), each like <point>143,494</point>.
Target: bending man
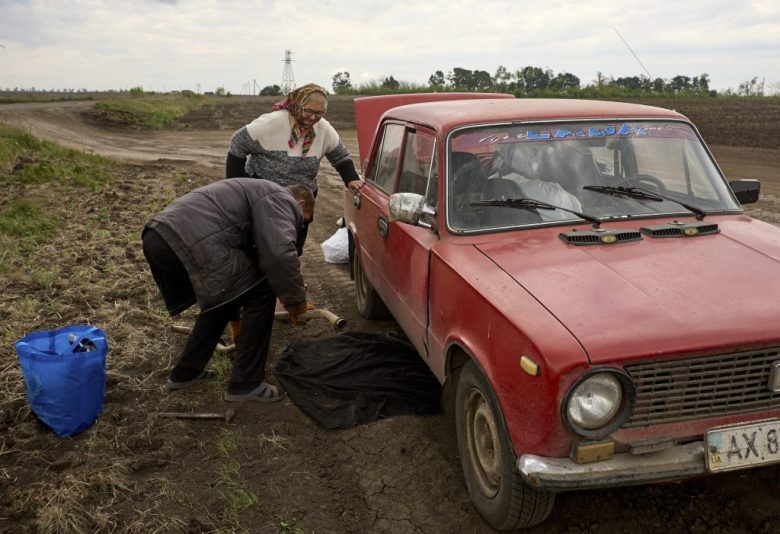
<point>230,245</point>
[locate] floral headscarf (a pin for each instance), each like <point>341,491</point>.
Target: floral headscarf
<point>293,103</point>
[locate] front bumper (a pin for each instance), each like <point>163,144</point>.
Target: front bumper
<point>561,474</point>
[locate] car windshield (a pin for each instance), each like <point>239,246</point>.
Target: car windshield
<point>602,169</point>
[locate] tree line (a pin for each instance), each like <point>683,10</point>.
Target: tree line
<point>526,82</point>
<point>537,82</point>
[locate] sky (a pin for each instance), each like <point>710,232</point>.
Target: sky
<point>199,45</point>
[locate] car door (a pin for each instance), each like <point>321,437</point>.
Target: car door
<point>396,255</point>
<point>369,206</point>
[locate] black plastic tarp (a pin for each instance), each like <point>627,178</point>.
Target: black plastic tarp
<point>356,378</point>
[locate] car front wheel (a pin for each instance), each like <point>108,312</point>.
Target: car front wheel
<point>369,304</point>
<point>497,490</point>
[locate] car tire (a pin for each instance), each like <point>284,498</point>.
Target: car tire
<point>497,490</point>
<point>369,304</point>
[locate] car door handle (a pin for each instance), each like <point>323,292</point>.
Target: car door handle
<point>356,199</point>
<point>383,225</point>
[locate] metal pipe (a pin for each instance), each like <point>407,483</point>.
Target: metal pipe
<point>335,321</point>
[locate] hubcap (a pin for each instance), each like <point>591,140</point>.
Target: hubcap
<point>482,443</point>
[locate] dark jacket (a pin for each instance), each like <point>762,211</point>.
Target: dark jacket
<point>232,234</point>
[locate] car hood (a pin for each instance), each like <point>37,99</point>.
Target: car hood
<point>657,296</point>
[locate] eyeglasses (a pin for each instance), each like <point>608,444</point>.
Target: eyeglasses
<point>313,113</point>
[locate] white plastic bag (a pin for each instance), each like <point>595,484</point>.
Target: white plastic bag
<point>336,247</point>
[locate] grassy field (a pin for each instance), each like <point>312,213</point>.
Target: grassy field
<point>69,254</point>
<point>30,221</point>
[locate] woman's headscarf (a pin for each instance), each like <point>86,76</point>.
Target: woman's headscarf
<point>293,103</point>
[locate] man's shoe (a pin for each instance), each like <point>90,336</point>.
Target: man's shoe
<point>265,392</point>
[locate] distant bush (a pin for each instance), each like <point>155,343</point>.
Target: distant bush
<point>152,112</point>
<point>136,91</point>
<point>271,90</point>
<point>388,86</point>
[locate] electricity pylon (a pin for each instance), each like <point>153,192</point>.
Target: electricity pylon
<point>288,79</point>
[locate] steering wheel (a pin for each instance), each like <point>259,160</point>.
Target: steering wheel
<point>642,180</point>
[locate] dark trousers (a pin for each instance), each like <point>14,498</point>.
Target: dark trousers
<point>256,307</point>
<point>303,232</point>
<point>301,238</point>
<point>168,272</point>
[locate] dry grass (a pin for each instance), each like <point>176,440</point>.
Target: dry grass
<point>272,441</point>
<point>91,271</point>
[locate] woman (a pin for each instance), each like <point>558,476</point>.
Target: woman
<point>286,145</point>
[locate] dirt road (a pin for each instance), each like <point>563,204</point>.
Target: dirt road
<point>398,475</point>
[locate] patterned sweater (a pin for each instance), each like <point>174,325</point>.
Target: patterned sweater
<point>263,143</point>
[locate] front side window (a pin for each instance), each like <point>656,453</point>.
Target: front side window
<point>576,166</point>
<point>386,163</point>
<point>418,163</point>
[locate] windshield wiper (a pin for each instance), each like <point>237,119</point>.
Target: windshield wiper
<point>642,194</point>
<point>532,204</point>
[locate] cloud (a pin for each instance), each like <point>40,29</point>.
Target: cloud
<point>167,44</point>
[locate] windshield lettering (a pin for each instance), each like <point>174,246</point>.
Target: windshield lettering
<point>624,130</point>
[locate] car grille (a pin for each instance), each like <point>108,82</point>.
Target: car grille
<point>702,387</point>
<point>681,230</point>
<point>589,237</point>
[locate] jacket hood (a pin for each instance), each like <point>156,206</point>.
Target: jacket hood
<point>655,296</point>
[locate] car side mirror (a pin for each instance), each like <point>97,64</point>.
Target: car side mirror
<point>410,208</point>
<point>746,191</point>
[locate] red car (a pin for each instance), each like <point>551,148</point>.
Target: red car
<point>582,278</point>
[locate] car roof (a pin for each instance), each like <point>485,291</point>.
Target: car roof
<point>446,115</point>
<point>369,111</point>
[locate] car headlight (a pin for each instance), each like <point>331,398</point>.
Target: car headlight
<point>596,404</point>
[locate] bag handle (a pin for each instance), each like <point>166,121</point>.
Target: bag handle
<point>96,341</point>
<point>99,341</point>
<point>24,348</point>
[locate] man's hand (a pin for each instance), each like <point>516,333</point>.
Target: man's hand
<point>296,316</point>
<point>355,185</point>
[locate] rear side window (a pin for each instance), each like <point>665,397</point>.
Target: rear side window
<point>383,170</point>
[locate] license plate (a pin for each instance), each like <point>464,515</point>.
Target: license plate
<point>740,446</point>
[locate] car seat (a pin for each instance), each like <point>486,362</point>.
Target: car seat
<point>468,179</point>
<point>569,164</point>
<point>503,188</point>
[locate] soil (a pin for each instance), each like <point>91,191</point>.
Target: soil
<point>135,472</point>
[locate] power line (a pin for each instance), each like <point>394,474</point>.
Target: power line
<point>634,54</point>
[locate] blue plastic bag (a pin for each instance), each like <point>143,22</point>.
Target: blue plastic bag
<point>65,375</point>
